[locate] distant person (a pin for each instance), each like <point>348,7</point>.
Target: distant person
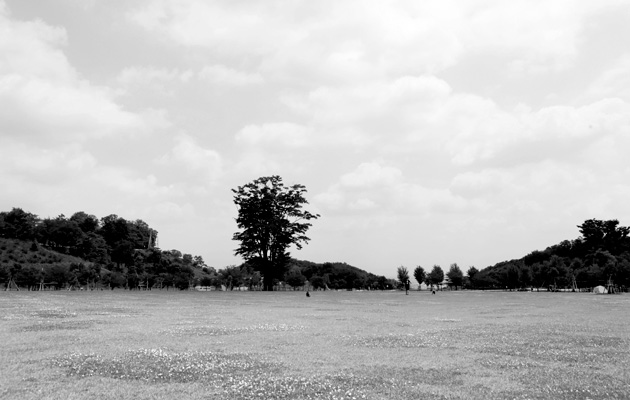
<point>307,293</point>
<point>407,285</point>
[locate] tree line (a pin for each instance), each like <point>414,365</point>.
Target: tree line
<point>599,256</point>
<point>436,277</point>
<point>83,251</point>
<point>299,275</point>
<point>108,252</point>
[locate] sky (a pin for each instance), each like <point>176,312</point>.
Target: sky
<point>426,133</point>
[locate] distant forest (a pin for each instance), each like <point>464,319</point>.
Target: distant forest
<point>600,256</point>
<point>83,251</point>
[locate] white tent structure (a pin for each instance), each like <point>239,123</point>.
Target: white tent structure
<point>599,290</point>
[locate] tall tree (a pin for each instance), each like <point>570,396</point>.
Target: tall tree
<point>420,275</point>
<point>270,219</point>
<point>18,224</point>
<point>472,271</point>
<point>456,275</point>
<point>294,278</point>
<point>114,229</point>
<point>63,234</point>
<point>88,223</point>
<point>605,235</point>
<point>403,275</point>
<point>436,276</point>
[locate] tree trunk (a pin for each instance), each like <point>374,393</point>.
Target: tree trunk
<point>267,282</point>
<point>267,275</point>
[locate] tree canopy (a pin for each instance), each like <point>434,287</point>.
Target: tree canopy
<point>83,251</point>
<point>419,274</point>
<point>403,275</point>
<point>600,255</point>
<point>455,275</point>
<point>436,276</point>
<point>271,218</point>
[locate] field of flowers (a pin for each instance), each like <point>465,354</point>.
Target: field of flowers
<point>333,345</point>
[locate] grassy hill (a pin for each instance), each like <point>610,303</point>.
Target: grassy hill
<point>30,254</point>
<point>29,263</point>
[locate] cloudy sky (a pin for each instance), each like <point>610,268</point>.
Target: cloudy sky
<point>425,132</point>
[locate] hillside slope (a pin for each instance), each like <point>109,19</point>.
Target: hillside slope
<point>31,254</point>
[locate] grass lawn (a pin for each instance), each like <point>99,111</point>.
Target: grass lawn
<point>333,345</point>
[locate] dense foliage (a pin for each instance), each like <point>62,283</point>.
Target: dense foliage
<point>402,273</point>
<point>601,255</point>
<point>270,219</point>
<point>304,274</point>
<point>419,274</point>
<point>84,251</point>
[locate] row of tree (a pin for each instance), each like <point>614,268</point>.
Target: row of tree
<point>110,251</point>
<point>298,274</point>
<point>39,268</point>
<point>436,277</point>
<point>270,219</point>
<point>105,240</point>
<point>600,256</point>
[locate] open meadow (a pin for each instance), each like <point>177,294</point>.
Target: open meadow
<point>333,345</point>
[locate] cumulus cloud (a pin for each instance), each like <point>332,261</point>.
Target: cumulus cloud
<point>195,159</point>
<point>371,175</point>
<point>222,75</point>
<point>169,211</point>
<point>275,134</point>
<point>148,75</point>
<point>354,40</point>
<point>50,166</point>
<point>385,190</point>
<point>373,105</point>
<point>614,82</point>
<point>43,96</point>
<point>128,183</point>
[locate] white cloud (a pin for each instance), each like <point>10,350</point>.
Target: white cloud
<point>612,83</point>
<point>194,158</point>
<point>169,211</point>
<point>128,184</point>
<point>275,134</point>
<point>149,75</point>
<point>220,74</point>
<point>479,184</point>
<point>372,175</point>
<point>32,49</point>
<point>386,193</point>
<point>371,100</point>
<point>50,166</point>
<point>372,105</point>
<point>42,95</point>
<point>351,41</point>
<point>67,178</point>
<point>604,117</point>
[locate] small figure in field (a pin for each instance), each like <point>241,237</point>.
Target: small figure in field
<point>407,285</point>
<point>307,293</point>
<point>433,291</point>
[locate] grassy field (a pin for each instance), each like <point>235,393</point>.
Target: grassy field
<point>333,345</point>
